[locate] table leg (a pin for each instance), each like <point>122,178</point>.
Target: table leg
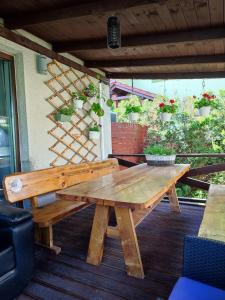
<point>174,203</point>
<point>129,241</point>
<point>98,232</point>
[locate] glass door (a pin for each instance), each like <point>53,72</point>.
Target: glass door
<point>8,140</point>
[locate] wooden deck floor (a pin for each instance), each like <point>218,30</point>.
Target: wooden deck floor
<point>68,277</point>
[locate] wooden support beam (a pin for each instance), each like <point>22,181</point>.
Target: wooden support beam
<point>206,170</point>
<point>175,75</point>
<point>195,183</point>
<point>162,61</point>
<point>27,43</point>
<point>145,39</point>
<point>73,11</point>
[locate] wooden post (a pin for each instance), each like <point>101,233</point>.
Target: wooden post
<point>174,203</point>
<point>129,241</point>
<point>98,232</point>
<point>44,237</point>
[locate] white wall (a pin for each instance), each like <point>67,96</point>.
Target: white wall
<point>32,92</point>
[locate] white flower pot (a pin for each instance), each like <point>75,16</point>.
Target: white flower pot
<point>78,104</point>
<point>165,117</point>
<point>160,160</point>
<point>62,118</point>
<point>94,135</point>
<point>133,117</point>
<point>204,111</point>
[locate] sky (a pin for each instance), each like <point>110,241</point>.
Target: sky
<point>178,88</point>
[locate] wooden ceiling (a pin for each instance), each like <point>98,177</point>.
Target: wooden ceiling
<point>160,38</point>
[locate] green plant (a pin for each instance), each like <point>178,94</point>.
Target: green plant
<point>168,108</point>
<point>66,110</point>
<point>94,127</point>
<point>157,149</point>
<point>79,96</point>
<point>96,108</point>
<point>132,109</point>
<point>207,99</point>
<point>90,90</point>
<point>109,103</point>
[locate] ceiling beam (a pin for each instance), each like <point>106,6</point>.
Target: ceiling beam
<point>177,75</point>
<point>162,61</point>
<point>73,11</point>
<point>27,43</point>
<point>144,39</point>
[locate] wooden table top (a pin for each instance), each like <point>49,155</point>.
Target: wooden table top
<point>136,187</point>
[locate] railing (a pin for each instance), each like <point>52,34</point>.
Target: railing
<point>187,178</point>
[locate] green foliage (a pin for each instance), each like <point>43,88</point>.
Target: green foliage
<point>168,108</point>
<point>157,149</point>
<point>96,108</point>
<point>91,90</point>
<point>110,103</point>
<point>79,96</point>
<point>94,127</point>
<point>66,110</point>
<point>132,109</point>
<point>207,99</point>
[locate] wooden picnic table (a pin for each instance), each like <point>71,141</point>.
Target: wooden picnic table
<point>133,193</point>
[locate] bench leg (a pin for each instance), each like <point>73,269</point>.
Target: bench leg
<point>129,241</point>
<point>174,203</point>
<point>44,237</point>
<point>98,232</point>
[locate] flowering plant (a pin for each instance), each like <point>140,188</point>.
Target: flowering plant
<point>132,109</point>
<point>207,99</point>
<point>171,107</point>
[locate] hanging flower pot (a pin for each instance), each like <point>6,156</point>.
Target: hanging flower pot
<point>205,111</point>
<point>133,111</point>
<point>90,90</point>
<point>167,110</point>
<point>94,132</point>
<point>133,117</point>
<point>205,104</point>
<point>64,114</point>
<point>78,100</point>
<point>165,117</point>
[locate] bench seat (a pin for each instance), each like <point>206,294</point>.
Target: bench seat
<point>52,213</point>
<point>213,223</point>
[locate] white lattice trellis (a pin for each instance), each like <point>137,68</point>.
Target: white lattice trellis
<point>72,144</point>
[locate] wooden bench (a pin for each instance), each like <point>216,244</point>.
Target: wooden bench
<point>37,184</point>
<point>213,223</point>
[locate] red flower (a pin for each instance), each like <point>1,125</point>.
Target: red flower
<point>172,101</point>
<point>205,95</point>
<point>161,104</point>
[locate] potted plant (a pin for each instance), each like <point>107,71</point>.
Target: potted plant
<point>94,132</point>
<point>133,111</point>
<point>167,110</point>
<point>64,114</point>
<point>158,155</point>
<point>205,103</point>
<point>90,90</point>
<point>78,100</point>
<point>97,109</point>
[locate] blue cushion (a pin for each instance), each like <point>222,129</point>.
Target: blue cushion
<point>188,289</point>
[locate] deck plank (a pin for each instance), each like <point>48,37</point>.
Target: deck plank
<point>68,276</point>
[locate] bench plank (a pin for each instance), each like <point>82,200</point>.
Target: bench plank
<point>213,223</point>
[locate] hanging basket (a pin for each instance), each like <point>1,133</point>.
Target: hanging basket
<point>133,117</point>
<point>94,135</point>
<point>205,111</point>
<point>78,104</point>
<point>62,118</point>
<point>165,117</point>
